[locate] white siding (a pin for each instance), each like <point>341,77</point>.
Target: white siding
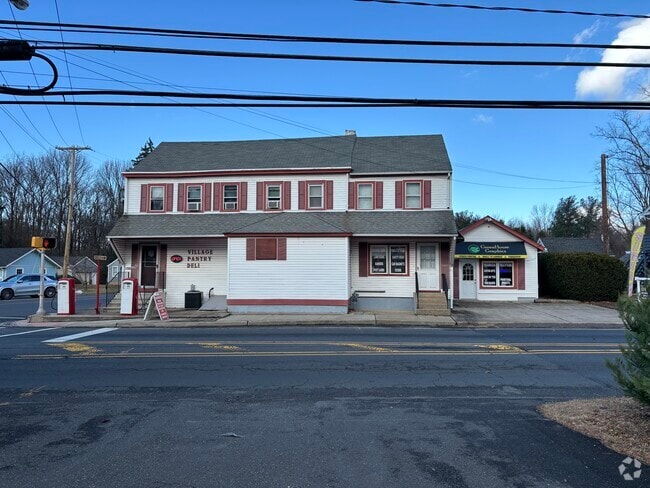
<point>316,268</point>
<point>209,274</point>
<point>489,232</point>
<point>392,286</point>
<point>440,196</point>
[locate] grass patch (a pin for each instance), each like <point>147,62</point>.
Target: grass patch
<point>620,423</point>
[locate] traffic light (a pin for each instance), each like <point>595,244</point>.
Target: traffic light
<point>49,242</point>
<point>43,242</point>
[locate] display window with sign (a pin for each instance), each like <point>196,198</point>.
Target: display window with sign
<point>389,259</point>
<point>498,274</point>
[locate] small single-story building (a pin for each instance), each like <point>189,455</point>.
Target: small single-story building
<point>24,260</point>
<point>495,263</point>
<point>114,272</point>
<point>81,267</point>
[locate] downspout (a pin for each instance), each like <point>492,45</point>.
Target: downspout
<point>452,253</point>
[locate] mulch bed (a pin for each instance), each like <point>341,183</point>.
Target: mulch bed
<point>620,423</point>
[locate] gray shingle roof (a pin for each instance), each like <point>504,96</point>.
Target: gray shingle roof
<point>573,244</point>
<point>358,223</point>
<point>388,154</point>
<point>10,254</point>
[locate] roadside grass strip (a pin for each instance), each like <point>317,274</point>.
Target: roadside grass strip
<point>218,346</point>
<point>77,348</point>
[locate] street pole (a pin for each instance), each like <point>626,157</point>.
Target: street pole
<point>605,211</point>
<point>68,228</point>
<point>41,292</point>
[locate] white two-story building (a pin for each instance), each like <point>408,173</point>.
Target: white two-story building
<point>292,225</point>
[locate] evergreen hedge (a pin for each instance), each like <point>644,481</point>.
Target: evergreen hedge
<point>587,277</point>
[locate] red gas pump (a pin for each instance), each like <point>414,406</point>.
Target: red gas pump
<point>129,300</point>
<point>65,297</point>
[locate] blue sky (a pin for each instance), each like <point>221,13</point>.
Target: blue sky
<point>557,145</point>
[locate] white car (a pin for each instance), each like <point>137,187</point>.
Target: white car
<point>27,285</point>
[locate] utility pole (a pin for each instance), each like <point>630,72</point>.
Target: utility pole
<point>68,228</point>
<point>605,211</point>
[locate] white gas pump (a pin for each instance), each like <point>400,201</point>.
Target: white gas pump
<point>65,297</point>
<point>129,299</point>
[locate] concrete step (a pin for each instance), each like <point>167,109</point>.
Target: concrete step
<point>434,311</point>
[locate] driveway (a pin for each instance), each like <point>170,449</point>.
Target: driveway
<point>531,314</point>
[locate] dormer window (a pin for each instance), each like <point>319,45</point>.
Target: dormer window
<point>194,198</point>
<point>274,197</point>
<point>157,199</point>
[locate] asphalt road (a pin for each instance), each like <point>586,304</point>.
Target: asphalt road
<point>19,308</point>
<point>300,407</point>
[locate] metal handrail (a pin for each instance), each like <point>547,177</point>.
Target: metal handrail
<point>445,286</point>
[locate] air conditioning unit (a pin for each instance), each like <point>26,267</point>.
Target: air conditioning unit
<point>274,204</point>
<point>230,206</point>
<point>193,206</point>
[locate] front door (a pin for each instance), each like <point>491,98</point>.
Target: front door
<point>428,269</point>
<point>468,275</point>
<point>149,266</point>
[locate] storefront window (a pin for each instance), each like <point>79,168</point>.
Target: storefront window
<point>391,259</point>
<point>378,259</point>
<point>397,259</point>
<point>364,196</point>
<point>498,274</point>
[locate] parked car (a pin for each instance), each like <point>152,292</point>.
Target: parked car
<point>27,285</point>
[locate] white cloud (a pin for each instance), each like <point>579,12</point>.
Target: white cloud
<point>611,83</point>
<point>483,119</point>
<point>587,33</point>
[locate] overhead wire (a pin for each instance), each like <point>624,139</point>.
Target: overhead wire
<point>509,9</point>
<point>76,112</point>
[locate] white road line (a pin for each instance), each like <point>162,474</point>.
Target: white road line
<point>82,334</point>
<point>12,318</point>
<point>29,332</point>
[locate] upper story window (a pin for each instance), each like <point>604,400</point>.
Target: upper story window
<point>157,199</point>
<point>413,195</point>
<point>230,197</point>
<point>194,198</point>
<point>315,196</point>
<point>364,196</point>
<point>274,197</point>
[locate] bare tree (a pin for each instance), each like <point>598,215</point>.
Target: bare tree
<point>541,219</point>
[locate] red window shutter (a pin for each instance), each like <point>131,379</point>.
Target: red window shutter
<point>286,195</point>
<point>144,198</point>
<point>379,194</point>
<point>363,259</point>
<point>282,249</point>
<point>266,248</point>
<point>182,197</point>
<point>216,197</point>
<point>207,197</point>
<point>329,195</point>
<point>260,195</point>
<point>427,193</point>
<point>169,197</point>
<point>399,199</point>
<point>352,195</point>
<point>521,274</point>
<point>302,195</point>
<point>135,261</point>
<point>250,249</point>
<point>243,196</point>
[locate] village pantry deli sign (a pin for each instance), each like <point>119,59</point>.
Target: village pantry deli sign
<point>486,250</point>
<point>194,257</point>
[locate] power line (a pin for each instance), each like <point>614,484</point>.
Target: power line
<point>128,30</point>
<point>491,171</point>
<point>508,9</point>
<point>17,122</point>
<point>456,180</point>
<point>76,113</point>
<point>50,45</point>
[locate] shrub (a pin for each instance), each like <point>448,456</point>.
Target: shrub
<point>633,371</point>
<point>587,277</point>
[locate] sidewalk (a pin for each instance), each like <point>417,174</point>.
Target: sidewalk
<point>465,314</point>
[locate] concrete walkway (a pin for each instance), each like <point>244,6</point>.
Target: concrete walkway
<point>465,314</point>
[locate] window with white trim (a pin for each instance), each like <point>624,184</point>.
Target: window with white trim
<point>499,274</point>
<point>157,198</point>
<point>364,196</point>
<point>389,259</point>
<point>194,199</point>
<point>230,197</point>
<point>315,192</point>
<point>413,195</point>
<point>274,197</point>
